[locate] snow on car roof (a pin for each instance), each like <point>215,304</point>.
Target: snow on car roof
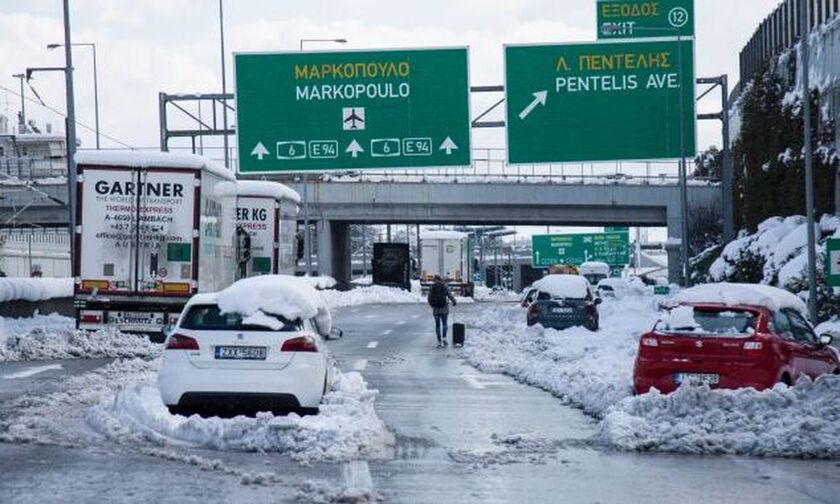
<point>595,265</point>
<point>564,286</point>
<point>442,234</point>
<point>153,159</point>
<point>734,294</point>
<point>259,189</point>
<point>287,296</point>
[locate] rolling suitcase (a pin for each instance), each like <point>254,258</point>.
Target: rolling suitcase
<point>458,334</point>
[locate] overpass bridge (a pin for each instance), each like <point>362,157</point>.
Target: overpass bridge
<point>336,202</point>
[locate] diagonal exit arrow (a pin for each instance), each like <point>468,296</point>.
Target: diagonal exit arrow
<point>540,98</point>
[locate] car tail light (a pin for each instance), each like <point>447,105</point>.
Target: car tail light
<point>650,342</point>
<point>533,310</point>
<point>181,342</point>
<point>753,345</point>
<point>300,344</point>
<point>91,317</point>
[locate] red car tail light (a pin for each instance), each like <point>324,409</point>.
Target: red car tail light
<point>181,342</point>
<point>533,310</point>
<point>300,344</point>
<point>650,341</point>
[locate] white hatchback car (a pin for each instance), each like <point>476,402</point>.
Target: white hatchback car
<point>215,361</point>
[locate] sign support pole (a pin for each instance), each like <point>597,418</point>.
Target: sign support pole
<point>683,174</point>
<point>804,32</point>
<point>307,239</point>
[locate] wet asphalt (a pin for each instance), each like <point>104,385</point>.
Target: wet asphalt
<point>463,436</point>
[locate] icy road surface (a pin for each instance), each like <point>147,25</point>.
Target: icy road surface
<point>461,436</point>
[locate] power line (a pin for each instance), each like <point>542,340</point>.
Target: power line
<point>62,114</point>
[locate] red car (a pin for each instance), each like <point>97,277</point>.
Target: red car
<point>726,346</point>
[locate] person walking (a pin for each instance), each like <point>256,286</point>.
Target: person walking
<point>439,299</point>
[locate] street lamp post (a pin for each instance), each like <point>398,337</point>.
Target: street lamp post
<point>95,82</point>
<point>307,239</point>
<point>804,33</point>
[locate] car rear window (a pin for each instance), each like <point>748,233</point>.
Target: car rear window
<point>690,320</point>
<point>210,318</point>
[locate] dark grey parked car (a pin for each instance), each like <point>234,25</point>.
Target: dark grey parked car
<point>564,301</point>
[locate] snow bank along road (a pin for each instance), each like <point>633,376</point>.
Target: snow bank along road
<point>456,435</point>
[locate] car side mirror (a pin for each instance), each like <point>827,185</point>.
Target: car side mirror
<point>826,339</point>
<point>335,332</point>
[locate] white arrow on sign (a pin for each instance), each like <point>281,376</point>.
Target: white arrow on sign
<point>260,151</point>
<point>540,98</point>
<point>354,148</point>
<point>448,145</point>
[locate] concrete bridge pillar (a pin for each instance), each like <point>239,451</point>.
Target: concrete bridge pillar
<point>334,250</point>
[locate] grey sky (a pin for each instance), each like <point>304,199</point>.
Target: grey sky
<point>147,46</point>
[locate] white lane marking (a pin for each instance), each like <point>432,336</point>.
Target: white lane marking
<point>26,373</point>
<point>472,381</point>
<point>371,315</point>
<point>373,344</point>
<point>416,316</point>
<point>356,475</point>
<point>386,332</point>
<point>354,310</point>
<point>401,322</point>
<point>360,365</point>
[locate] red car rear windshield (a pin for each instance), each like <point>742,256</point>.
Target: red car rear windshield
<point>710,322</point>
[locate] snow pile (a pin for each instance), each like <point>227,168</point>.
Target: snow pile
<point>780,244</point>
<point>484,293</point>
<point>55,337</point>
<point>34,289</point>
<point>374,294</point>
<point>286,296</point>
<point>57,417</point>
<point>733,294</point>
<point>593,371</point>
<point>589,370</point>
<point>800,421</point>
<point>347,427</point>
<point>680,318</point>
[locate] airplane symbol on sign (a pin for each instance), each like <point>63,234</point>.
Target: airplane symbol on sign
<point>353,118</point>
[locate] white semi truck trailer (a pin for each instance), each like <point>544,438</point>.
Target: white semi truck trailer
<point>450,255</point>
<point>266,227</point>
<point>152,230</point>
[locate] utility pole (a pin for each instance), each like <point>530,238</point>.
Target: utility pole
<point>805,31</point>
<point>727,181</point>
<point>224,82</point>
<point>71,134</point>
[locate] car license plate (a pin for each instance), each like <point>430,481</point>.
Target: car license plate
<point>240,352</point>
<point>564,310</point>
<point>697,378</point>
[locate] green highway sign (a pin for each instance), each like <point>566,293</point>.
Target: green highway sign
<point>832,262</point>
<point>576,249</point>
<point>623,19</point>
<point>603,101</point>
<point>316,111</point>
